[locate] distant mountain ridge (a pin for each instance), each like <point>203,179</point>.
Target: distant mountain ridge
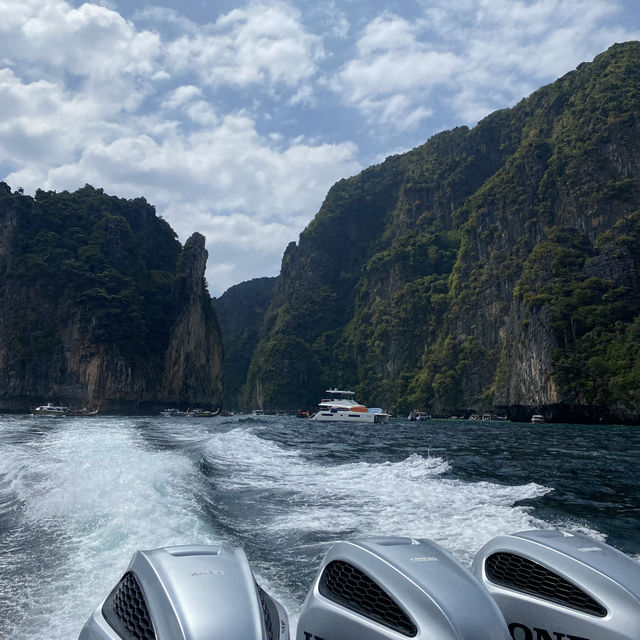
<point>101,307</point>
<point>493,267</point>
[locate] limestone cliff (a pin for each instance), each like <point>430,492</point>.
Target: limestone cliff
<point>100,306</point>
<point>241,310</point>
<point>493,268</point>
<point>193,361</point>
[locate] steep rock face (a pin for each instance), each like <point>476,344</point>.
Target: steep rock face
<point>193,361</point>
<point>528,373</point>
<point>241,310</point>
<point>101,307</point>
<point>490,268</point>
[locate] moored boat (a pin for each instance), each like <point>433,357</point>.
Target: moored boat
<point>58,411</point>
<point>83,413</point>
<point>51,411</point>
<point>171,413</point>
<point>537,418</point>
<point>201,413</point>
<point>341,406</point>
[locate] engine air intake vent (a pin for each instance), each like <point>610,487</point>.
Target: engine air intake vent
<point>346,585</point>
<point>521,574</point>
<point>126,610</point>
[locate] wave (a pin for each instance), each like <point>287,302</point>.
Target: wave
<point>84,498</point>
<point>79,497</point>
<point>411,497</point>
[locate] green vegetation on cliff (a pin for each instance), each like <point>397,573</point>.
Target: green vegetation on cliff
<point>83,247</point>
<point>241,309</point>
<point>491,267</point>
<point>91,289</point>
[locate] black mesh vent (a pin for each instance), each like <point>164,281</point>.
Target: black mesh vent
<point>345,584</point>
<point>126,610</point>
<point>527,576</point>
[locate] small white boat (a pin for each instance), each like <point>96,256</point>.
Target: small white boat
<point>51,411</point>
<point>418,416</point>
<point>171,413</point>
<point>537,418</point>
<point>257,413</point>
<point>341,406</point>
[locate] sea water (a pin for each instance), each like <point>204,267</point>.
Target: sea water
<point>79,495</point>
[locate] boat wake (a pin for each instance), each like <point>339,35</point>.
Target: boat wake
<point>79,497</point>
<point>79,501</point>
<point>412,497</point>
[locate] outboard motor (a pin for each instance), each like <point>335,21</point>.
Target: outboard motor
<point>553,585</point>
<point>376,588</point>
<point>188,593</point>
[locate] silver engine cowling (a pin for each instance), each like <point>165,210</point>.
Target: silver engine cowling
<point>553,585</point>
<point>188,593</point>
<point>376,588</point>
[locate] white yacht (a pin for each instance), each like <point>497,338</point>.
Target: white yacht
<point>51,411</point>
<point>341,406</point>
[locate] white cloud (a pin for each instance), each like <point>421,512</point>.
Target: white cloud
<point>183,94</point>
<point>90,41</point>
<point>475,55</point>
<point>202,113</point>
<point>95,58</point>
<point>44,124</point>
<point>329,18</point>
<point>164,16</point>
<point>394,72</point>
<point>72,97</point>
<point>526,44</point>
<point>196,180</point>
<point>229,167</point>
<point>239,245</point>
<point>187,99</point>
<point>385,33</point>
<point>540,39</point>
<point>223,126</point>
<point>340,26</point>
<point>262,44</point>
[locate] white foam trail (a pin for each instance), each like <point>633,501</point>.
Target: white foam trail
<point>408,498</point>
<point>100,494</point>
<point>86,494</point>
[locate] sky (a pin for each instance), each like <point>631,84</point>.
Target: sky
<point>235,118</point>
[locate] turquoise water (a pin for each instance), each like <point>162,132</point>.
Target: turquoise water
<point>79,496</point>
